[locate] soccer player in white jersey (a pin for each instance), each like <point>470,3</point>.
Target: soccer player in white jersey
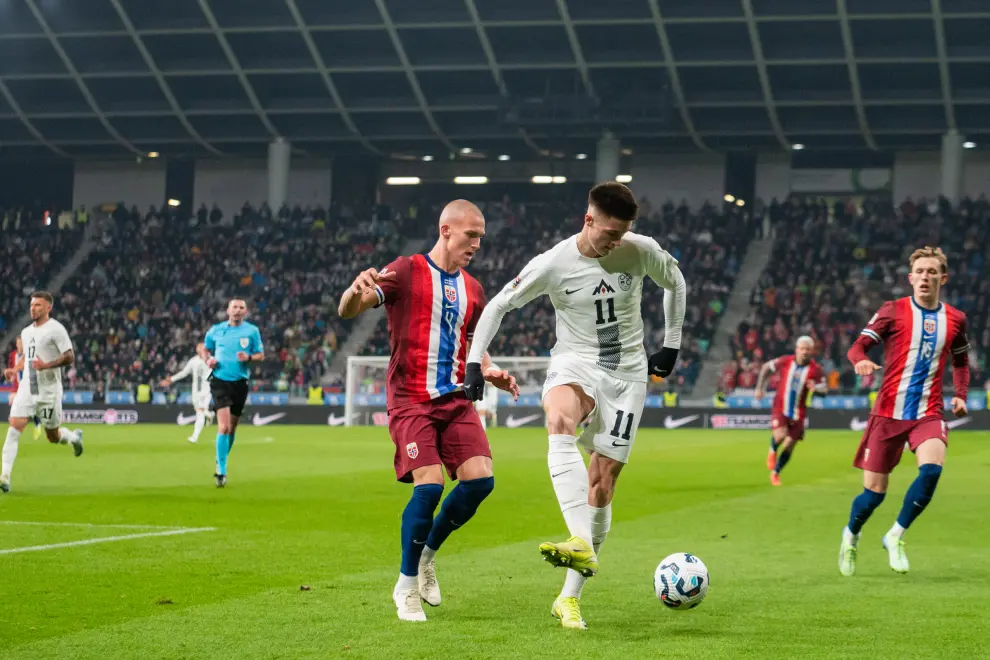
<point>47,348</point>
<point>598,368</point>
<point>200,373</point>
<point>487,407</point>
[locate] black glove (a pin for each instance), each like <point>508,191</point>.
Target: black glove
<point>662,362</point>
<point>474,382</point>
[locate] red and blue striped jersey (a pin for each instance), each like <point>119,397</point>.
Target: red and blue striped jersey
<point>796,380</point>
<point>431,319</point>
<point>917,346</point>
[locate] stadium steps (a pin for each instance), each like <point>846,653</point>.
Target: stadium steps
<point>738,307</point>
<point>91,237</point>
<point>365,324</point>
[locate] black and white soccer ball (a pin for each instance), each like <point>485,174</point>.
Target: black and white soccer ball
<point>681,581</point>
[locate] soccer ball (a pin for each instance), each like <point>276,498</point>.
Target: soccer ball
<point>681,581</point>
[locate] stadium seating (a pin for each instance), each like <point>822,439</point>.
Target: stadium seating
<point>158,280</point>
<point>832,266</point>
<point>709,243</point>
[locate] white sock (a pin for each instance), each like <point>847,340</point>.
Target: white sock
<point>428,555</point>
<point>848,536</point>
<point>10,450</point>
<point>601,522</point>
<point>65,436</point>
<point>896,531</point>
<point>570,482</point>
<point>200,422</point>
<point>407,582</point>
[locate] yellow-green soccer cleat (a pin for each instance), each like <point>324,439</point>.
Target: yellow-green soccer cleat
<point>568,611</point>
<point>847,556</point>
<point>574,553</point>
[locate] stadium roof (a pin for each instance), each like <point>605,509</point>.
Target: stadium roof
<point>123,77</point>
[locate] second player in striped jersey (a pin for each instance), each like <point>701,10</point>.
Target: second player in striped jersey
<point>921,335</point>
<point>432,306</point>
<point>799,376</point>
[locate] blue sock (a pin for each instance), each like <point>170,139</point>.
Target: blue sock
<point>919,494</point>
<point>457,509</point>
<point>863,507</point>
<point>782,459</point>
<point>417,518</point>
<point>223,448</point>
<point>773,443</point>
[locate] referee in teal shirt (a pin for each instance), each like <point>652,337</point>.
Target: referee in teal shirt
<point>232,345</point>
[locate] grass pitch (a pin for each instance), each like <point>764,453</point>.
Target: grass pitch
<point>320,507</point>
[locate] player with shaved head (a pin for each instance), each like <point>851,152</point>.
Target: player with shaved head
<point>799,375</point>
<point>432,306</point>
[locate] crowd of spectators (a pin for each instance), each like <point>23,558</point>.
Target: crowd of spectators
<point>833,264</point>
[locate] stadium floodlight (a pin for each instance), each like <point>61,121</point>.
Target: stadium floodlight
<point>466,150</point>
<point>797,146</point>
<point>624,178</point>
<point>427,158</point>
<point>581,156</point>
<point>539,178</point>
<point>504,157</point>
<point>470,179</point>
<point>174,202</point>
<point>560,179</point>
<point>153,154</point>
<point>969,145</point>
<point>402,180</point>
<point>729,198</point>
<point>740,202</point>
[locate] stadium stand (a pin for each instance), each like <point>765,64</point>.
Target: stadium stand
<point>833,265</point>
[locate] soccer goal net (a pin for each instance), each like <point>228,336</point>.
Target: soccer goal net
<point>364,388</point>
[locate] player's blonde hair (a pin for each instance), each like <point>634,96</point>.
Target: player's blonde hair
<point>929,252</point>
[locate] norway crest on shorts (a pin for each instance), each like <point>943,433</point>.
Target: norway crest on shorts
<point>412,450</point>
<point>244,342</point>
<point>450,293</point>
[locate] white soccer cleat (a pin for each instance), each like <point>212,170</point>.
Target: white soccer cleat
<point>77,444</point>
<point>191,439</point>
<point>408,605</point>
<point>894,545</point>
<point>847,554</point>
<point>5,485</point>
<point>429,588</point>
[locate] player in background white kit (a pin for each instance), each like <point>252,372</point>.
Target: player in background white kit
<point>487,407</point>
<point>598,367</point>
<point>47,348</point>
<point>200,372</point>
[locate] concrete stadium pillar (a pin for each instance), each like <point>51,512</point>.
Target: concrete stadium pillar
<point>279,154</point>
<point>607,158</point>
<point>952,166</point>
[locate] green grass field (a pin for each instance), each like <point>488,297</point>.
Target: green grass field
<point>320,507</point>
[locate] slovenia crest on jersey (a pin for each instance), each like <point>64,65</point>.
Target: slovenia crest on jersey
<point>412,450</point>
<point>929,326</point>
<point>244,342</point>
<point>625,281</point>
<point>450,293</point>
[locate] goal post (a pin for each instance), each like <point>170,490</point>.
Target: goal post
<point>365,381</point>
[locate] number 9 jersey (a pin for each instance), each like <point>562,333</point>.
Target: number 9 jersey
<point>597,301</point>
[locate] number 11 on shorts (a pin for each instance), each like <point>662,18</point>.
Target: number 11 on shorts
<point>618,425</point>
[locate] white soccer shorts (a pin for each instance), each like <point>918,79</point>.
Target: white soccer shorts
<point>48,410</point>
<point>612,425</point>
<point>201,401</point>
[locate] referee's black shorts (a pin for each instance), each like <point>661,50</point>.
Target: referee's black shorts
<point>229,394</point>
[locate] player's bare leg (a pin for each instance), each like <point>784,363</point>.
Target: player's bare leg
<point>777,437</point>
<point>566,406</point>
<point>476,481</point>
<point>63,436</point>
<point>417,521</point>
<point>874,491</point>
<point>10,445</point>
<point>603,472</point>
<point>931,458</point>
<point>783,455</point>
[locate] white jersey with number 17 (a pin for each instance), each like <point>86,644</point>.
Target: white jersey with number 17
<point>47,341</point>
<point>597,301</point>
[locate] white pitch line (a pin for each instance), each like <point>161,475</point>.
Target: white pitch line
<point>107,539</point>
<point>69,524</point>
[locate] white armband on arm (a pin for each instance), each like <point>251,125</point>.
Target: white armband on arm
<point>674,308</point>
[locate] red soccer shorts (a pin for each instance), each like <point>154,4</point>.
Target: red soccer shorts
<point>795,430</point>
<point>446,431</point>
<point>883,440</point>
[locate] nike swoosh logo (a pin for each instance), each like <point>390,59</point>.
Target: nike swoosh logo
<point>568,292</point>
<point>857,424</point>
<point>184,420</point>
<point>333,420</point>
<point>956,423</point>
<point>619,444</point>
<point>554,476</point>
<point>259,420</point>
<point>672,423</point>
<point>516,422</point>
